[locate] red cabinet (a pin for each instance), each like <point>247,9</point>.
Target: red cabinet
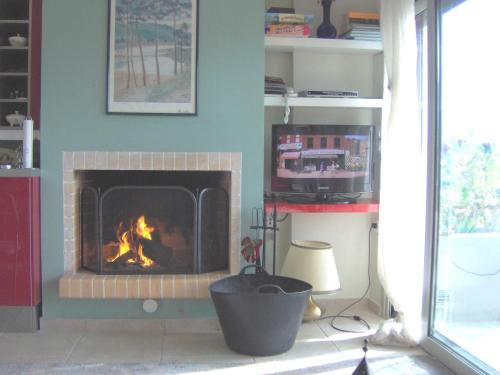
<point>20,241</point>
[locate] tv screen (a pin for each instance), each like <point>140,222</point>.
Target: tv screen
<point>322,158</point>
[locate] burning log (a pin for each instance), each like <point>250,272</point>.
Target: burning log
<point>155,251</point>
<point>110,250</point>
<point>123,260</point>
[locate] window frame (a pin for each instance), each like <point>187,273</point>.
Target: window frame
<point>430,343</point>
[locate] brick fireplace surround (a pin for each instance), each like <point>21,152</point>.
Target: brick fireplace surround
<point>80,284</point>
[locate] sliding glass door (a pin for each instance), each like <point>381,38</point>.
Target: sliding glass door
<point>465,303</point>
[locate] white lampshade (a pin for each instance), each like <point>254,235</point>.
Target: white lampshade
<point>313,262</point>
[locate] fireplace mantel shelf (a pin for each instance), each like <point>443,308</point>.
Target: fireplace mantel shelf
<point>87,285</point>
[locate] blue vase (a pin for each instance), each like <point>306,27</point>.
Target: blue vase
<point>326,29</point>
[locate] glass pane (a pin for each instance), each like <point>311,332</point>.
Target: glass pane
<point>467,279</point>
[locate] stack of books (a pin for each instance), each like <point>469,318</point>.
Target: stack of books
<point>275,86</point>
<point>284,22</point>
<point>362,26</point>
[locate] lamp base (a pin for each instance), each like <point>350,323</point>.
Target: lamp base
<point>313,311</point>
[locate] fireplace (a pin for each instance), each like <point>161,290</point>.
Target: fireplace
<point>93,181</point>
<point>145,222</point>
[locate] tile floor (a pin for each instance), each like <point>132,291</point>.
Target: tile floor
<point>319,349</point>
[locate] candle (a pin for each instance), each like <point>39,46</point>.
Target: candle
<point>28,143</point>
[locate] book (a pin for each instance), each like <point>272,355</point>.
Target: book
<point>360,18</point>
<point>292,30</point>
<point>364,26</point>
<point>363,37</point>
<point>362,32</point>
<point>273,79</point>
<point>275,18</point>
<point>362,15</point>
<point>281,10</point>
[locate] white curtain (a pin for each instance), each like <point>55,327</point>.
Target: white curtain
<point>402,190</point>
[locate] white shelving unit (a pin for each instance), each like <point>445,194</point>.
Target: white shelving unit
<point>15,66</point>
<point>329,64</point>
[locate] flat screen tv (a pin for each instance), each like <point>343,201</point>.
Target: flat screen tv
<point>322,159</point>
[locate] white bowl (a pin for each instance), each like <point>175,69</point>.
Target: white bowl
<point>18,41</point>
<point>15,119</point>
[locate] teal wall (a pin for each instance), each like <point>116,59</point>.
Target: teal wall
<point>230,118</point>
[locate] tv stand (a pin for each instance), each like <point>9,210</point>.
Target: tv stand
<point>288,207</point>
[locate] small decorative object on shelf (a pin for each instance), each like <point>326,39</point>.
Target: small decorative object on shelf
<point>326,29</point>
<point>18,41</point>
<point>15,119</point>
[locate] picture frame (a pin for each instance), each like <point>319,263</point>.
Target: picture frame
<point>152,57</point>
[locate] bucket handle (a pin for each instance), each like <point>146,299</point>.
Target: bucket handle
<point>257,268</point>
<point>275,287</point>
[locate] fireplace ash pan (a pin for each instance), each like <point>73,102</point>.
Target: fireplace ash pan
<point>260,314</point>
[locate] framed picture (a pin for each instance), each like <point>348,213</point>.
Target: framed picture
<point>152,56</point>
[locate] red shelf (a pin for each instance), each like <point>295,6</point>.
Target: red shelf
<point>289,208</point>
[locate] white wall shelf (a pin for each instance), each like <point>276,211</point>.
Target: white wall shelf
<point>15,134</point>
<point>279,101</point>
<point>14,21</point>
<point>339,46</point>
<point>8,74</point>
<point>13,100</point>
<point>10,48</point>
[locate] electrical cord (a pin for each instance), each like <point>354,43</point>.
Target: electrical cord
<point>356,318</point>
<point>353,317</point>
<point>282,219</point>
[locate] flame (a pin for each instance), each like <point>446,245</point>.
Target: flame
<point>142,230</point>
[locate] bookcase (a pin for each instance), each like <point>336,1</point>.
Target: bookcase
<point>19,64</point>
<point>329,64</point>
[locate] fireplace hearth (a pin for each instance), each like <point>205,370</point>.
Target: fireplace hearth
<point>145,222</point>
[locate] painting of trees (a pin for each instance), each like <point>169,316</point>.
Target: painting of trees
<point>152,55</point>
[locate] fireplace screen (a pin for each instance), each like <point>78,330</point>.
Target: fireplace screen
<point>154,230</point>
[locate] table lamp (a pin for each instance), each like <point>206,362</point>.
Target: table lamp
<point>313,262</point>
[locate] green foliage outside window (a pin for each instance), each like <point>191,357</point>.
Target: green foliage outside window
<point>470,188</point>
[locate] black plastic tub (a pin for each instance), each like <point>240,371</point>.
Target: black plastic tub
<point>260,314</point>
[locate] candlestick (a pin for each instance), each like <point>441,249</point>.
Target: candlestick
<point>28,143</point>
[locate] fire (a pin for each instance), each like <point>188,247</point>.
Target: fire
<point>127,242</point>
<point>142,228</point>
